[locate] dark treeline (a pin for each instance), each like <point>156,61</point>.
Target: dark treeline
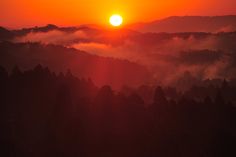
<point>44,114</point>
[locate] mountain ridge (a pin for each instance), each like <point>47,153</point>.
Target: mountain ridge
<point>103,70</point>
<point>174,24</point>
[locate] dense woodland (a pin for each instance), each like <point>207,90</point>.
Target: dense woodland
<point>45,114</point>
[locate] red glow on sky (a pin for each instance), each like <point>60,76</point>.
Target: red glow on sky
<point>19,13</point>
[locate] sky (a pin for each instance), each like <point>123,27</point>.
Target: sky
<point>25,13</point>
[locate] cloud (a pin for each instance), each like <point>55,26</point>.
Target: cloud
<point>228,28</point>
<point>167,56</point>
<point>96,48</point>
<point>53,37</point>
<point>170,59</point>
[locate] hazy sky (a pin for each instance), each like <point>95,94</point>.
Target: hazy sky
<point>19,13</point>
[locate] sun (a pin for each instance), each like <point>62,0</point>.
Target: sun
<point>116,20</point>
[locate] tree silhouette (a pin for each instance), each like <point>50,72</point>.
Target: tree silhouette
<point>48,114</point>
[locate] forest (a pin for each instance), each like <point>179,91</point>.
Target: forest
<point>44,113</point>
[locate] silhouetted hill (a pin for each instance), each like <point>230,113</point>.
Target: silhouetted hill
<point>102,70</point>
<point>189,24</point>
<point>5,34</point>
<point>89,30</point>
<point>47,28</point>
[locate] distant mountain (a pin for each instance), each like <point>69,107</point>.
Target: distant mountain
<point>89,30</point>
<point>101,70</point>
<point>189,24</point>
<point>5,34</point>
<point>47,28</point>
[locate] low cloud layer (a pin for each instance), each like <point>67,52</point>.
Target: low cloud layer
<point>53,37</point>
<point>167,56</point>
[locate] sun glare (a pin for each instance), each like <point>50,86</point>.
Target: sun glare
<point>116,20</point>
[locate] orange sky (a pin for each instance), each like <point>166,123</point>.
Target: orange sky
<point>19,13</point>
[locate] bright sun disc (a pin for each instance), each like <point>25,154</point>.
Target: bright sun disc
<point>116,20</point>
